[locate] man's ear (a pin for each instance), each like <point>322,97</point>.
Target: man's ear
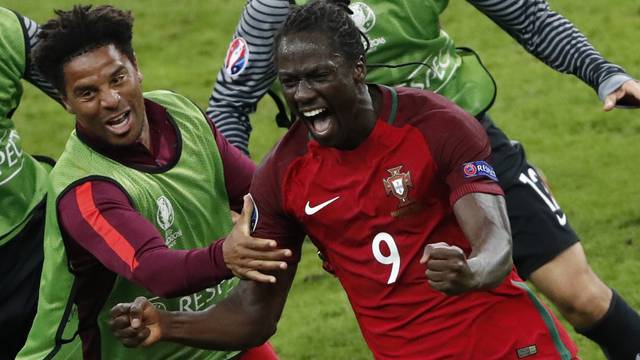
<point>360,70</point>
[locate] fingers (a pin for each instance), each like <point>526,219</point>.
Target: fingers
<point>440,250</point>
<point>131,337</point>
<point>257,276</point>
<point>429,248</point>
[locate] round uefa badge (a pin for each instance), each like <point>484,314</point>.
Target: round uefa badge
<point>165,216</point>
<point>237,57</point>
<point>469,169</point>
<point>363,16</point>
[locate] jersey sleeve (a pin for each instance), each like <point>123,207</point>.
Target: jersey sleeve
<point>98,216</point>
<point>551,38</point>
<point>458,143</point>
<point>32,75</point>
<point>270,220</point>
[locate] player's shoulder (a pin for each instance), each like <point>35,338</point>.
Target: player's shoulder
<point>292,146</point>
<point>424,109</point>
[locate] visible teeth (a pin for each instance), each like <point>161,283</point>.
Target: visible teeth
<point>119,121</point>
<point>311,113</point>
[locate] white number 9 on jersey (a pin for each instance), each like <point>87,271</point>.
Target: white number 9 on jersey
<point>392,259</point>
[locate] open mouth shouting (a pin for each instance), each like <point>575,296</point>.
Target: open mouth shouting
<point>318,121</point>
<point>119,124</point>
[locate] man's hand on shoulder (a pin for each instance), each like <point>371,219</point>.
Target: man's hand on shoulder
<point>137,323</point>
<point>247,256</point>
<point>628,94</point>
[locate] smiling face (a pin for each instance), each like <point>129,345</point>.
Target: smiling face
<point>323,90</point>
<point>102,88</point>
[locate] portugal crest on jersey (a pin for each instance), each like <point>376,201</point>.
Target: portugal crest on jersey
<point>237,57</point>
<point>398,185</point>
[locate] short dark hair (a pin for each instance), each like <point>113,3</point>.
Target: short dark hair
<point>77,31</point>
<point>331,18</point>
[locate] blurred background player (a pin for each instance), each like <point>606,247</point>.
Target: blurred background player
<point>137,199</point>
<point>378,216</point>
<point>23,186</point>
<point>408,47</point>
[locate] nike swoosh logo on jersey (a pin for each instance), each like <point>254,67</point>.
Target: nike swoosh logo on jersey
<point>310,210</point>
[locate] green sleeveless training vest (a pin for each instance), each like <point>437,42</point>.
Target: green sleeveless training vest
<point>187,203</point>
<point>23,180</point>
<point>408,31</point>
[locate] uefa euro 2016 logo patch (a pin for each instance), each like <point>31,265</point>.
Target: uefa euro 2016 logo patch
<point>479,168</point>
<point>237,57</point>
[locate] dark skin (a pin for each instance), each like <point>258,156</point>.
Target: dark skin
<point>315,77</point>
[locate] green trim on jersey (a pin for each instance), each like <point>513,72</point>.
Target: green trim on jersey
<point>188,203</point>
<point>564,353</point>
<point>23,180</point>
<point>394,105</point>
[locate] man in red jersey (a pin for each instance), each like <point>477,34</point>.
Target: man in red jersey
<point>385,182</point>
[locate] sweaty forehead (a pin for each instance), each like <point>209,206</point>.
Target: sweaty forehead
<point>306,44</point>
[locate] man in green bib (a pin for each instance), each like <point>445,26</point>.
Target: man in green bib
<point>137,200</point>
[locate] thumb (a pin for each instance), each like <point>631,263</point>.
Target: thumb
<point>244,222</point>
<point>136,310</point>
<point>609,102</point>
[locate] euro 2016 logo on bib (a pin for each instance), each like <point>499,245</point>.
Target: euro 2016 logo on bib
<point>237,57</point>
<point>165,216</point>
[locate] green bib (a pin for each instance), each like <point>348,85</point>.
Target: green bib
<point>408,31</point>
<point>22,179</point>
<point>188,204</point>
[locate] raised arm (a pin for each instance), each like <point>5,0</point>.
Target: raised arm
<point>558,43</point>
<point>248,74</point>
<point>483,219</point>
<point>247,318</point>
<point>32,75</point>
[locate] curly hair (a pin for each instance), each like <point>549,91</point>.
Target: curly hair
<point>331,18</point>
<point>77,31</point>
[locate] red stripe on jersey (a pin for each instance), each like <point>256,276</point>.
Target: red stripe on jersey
<point>113,238</point>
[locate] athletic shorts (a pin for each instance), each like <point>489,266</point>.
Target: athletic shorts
<point>539,227</point>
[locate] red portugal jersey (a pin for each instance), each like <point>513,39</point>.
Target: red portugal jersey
<point>372,210</point>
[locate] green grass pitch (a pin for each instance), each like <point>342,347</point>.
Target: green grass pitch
<point>589,156</point>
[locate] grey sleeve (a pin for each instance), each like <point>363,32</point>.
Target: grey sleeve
<point>31,74</point>
<point>239,86</point>
<point>553,39</point>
